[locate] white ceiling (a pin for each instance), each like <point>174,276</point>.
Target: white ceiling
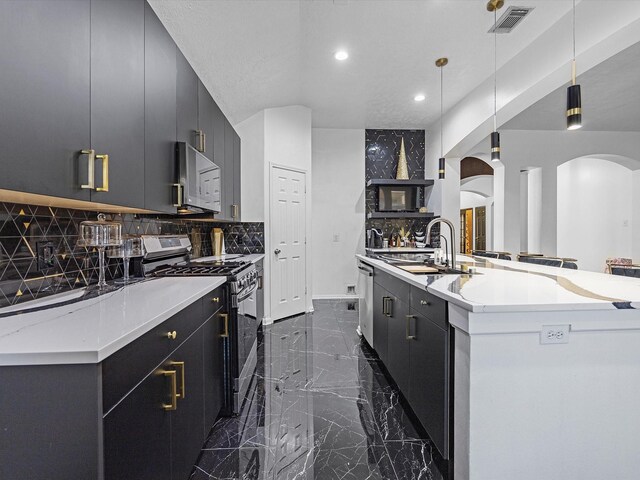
<point>256,54</point>
<point>610,99</point>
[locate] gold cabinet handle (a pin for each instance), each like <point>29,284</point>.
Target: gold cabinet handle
<point>234,211</point>
<point>384,305</point>
<point>387,306</point>
<point>424,302</point>
<point>174,390</point>
<point>105,173</point>
<point>408,328</point>
<point>216,299</point>
<point>91,177</point>
<point>201,143</point>
<point>178,195</point>
<point>182,389</point>
<point>225,317</point>
<point>172,335</point>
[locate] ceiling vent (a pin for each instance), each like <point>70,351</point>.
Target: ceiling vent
<point>510,19</point>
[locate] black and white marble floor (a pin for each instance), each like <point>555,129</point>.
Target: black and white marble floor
<point>320,408</point>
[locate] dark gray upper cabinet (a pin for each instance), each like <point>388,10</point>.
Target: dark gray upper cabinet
<point>117,99</point>
<point>206,109</point>
<point>227,173</point>
<point>45,96</point>
<point>159,113</point>
<point>187,98</point>
<point>236,177</point>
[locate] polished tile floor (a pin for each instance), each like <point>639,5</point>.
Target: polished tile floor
<point>320,408</point>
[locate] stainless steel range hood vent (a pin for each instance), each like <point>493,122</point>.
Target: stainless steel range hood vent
<point>510,19</point>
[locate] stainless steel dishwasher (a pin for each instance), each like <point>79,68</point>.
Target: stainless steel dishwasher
<point>365,301</point>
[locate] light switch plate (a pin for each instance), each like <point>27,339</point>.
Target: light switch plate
<point>554,334</point>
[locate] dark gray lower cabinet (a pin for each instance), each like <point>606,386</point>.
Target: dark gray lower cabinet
<point>142,413</point>
<point>428,389</point>
<point>398,346</point>
<point>380,328</point>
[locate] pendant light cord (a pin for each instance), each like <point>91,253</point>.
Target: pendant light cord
<point>495,73</point>
<point>573,63</point>
<point>441,90</point>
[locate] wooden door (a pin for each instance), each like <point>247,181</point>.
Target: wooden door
<point>481,228</point>
<point>288,242</point>
<point>45,96</point>
<point>466,230</point>
<point>117,99</point>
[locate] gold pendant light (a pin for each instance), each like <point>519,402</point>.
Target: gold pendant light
<point>440,63</point>
<point>574,94</point>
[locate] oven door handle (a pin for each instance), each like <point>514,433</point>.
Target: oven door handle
<point>248,293</point>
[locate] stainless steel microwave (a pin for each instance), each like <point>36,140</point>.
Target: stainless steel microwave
<point>397,198</point>
<point>199,182</point>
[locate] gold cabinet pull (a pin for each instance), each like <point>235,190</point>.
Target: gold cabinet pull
<point>172,335</point>
<point>91,177</point>
<point>216,299</point>
<point>105,173</point>
<point>225,317</point>
<point>424,302</point>
<point>182,389</point>
<point>174,390</point>
<point>408,328</point>
<point>201,141</point>
<point>178,195</point>
<point>387,306</point>
<point>234,211</point>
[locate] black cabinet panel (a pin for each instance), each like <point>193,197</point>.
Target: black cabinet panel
<point>206,109</point>
<point>45,96</point>
<point>393,285</point>
<point>236,177</point>
<point>213,370</point>
<point>117,98</point>
<point>137,433</point>
<point>432,307</point>
<point>187,100</point>
<point>187,421</point>
<point>380,327</point>
<point>227,173</point>
<point>159,114</point>
<point>428,394</point>
<point>398,347</point>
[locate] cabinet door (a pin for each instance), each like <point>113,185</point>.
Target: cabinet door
<point>398,346</point>
<point>206,113</point>
<point>45,96</point>
<point>227,174</point>
<point>187,100</point>
<point>117,99</point>
<point>380,327</point>
<point>137,433</point>
<point>159,114</point>
<point>220,157</point>
<point>213,370</point>
<point>237,212</point>
<point>429,378</point>
<point>187,422</point>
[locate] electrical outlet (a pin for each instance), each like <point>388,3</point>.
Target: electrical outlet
<point>46,255</point>
<point>336,238</point>
<point>351,289</point>
<point>554,334</point>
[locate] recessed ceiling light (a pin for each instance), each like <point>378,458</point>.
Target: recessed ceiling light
<point>419,98</point>
<point>341,55</point>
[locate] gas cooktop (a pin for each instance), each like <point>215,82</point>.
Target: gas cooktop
<point>201,269</point>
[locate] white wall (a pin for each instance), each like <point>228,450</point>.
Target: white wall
<point>636,217</point>
<point>338,191</point>
<point>594,211</point>
<point>251,133</point>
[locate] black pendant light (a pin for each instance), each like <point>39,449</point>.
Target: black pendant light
<point>440,63</point>
<point>574,94</point>
<point>494,6</point>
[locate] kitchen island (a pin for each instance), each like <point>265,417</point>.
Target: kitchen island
<point>544,369</point>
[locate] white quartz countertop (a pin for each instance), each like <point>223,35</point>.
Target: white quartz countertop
<point>508,286</point>
<point>88,331</point>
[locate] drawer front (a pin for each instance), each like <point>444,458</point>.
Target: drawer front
<point>214,301</point>
<point>128,366</point>
<point>393,285</point>
<point>432,307</point>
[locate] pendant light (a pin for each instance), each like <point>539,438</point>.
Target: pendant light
<point>494,6</point>
<point>440,63</point>
<point>574,95</point>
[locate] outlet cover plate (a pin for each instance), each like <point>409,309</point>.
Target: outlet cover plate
<point>554,334</point>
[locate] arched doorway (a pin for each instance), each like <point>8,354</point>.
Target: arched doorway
<point>476,201</point>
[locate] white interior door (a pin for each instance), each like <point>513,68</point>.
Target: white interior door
<point>288,242</point>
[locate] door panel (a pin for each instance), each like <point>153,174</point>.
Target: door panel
<point>187,100</point>
<point>398,347</point>
<point>288,213</point>
<point>206,108</point>
<point>45,96</point>
<point>213,371</point>
<point>160,114</point>
<point>380,325</point>
<point>481,228</point>
<point>117,98</point>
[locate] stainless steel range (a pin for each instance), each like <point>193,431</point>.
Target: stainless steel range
<point>168,256</point>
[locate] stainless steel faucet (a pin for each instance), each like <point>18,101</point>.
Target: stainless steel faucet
<point>453,237</point>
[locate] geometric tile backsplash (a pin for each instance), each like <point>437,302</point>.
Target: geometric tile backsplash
<point>25,229</point>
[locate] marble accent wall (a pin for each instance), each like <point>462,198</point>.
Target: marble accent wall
<point>382,150</point>
<point>24,228</point>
